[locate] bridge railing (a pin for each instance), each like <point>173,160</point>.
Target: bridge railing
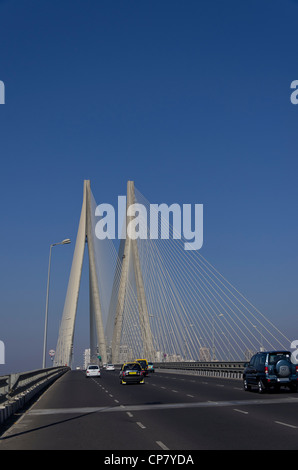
<point>211,369</point>
<point>17,389</point>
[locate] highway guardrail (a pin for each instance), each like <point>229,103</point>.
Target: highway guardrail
<point>17,389</point>
<point>231,370</point>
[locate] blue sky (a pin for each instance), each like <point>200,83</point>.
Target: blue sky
<point>191,100</point>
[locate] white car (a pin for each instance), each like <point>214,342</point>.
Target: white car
<point>110,367</point>
<point>93,371</point>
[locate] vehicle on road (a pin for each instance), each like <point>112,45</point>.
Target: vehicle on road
<point>93,370</point>
<point>271,369</point>
<point>131,372</point>
<point>144,364</point>
<point>150,367</point>
<point>110,367</point>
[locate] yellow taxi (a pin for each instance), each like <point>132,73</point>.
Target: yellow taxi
<point>144,365</point>
<point>131,372</point>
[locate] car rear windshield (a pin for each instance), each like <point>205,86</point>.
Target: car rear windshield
<point>143,363</point>
<point>275,357</point>
<point>132,367</point>
<point>93,367</point>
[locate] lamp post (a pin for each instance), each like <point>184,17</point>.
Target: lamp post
<point>64,242</point>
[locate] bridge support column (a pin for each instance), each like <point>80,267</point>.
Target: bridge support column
<point>131,250</point>
<point>64,349</point>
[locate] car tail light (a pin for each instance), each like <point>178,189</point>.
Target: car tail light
<point>296,369</point>
<point>266,370</point>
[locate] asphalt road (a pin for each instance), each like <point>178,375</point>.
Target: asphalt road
<point>170,412</point>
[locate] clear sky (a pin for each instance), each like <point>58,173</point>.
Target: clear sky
<point>190,99</point>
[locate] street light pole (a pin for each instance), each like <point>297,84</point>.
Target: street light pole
<point>64,242</point>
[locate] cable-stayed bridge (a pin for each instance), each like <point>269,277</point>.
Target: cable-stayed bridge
<point>150,297</point>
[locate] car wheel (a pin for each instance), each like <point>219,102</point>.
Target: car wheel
<point>246,386</point>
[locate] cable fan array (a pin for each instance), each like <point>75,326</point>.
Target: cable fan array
<point>195,314</point>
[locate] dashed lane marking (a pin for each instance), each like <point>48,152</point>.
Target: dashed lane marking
<point>241,411</point>
<point>162,445</point>
<point>141,425</point>
<point>285,424</point>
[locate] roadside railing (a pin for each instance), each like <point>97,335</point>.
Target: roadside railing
<point>18,389</point>
<point>231,370</point>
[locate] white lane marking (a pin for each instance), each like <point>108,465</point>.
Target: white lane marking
<point>129,414</point>
<point>241,411</point>
<point>285,424</point>
<point>141,425</point>
<point>162,445</point>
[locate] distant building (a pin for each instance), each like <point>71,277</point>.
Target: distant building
<point>204,355</point>
<point>86,358</point>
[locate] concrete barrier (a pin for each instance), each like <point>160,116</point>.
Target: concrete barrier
<point>16,390</point>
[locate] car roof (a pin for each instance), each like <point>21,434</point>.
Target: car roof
<point>278,351</point>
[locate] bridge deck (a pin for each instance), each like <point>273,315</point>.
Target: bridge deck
<point>170,411</point>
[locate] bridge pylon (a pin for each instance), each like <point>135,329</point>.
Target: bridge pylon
<point>64,349</point>
<point>131,252</point>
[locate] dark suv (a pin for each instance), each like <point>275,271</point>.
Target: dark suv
<point>271,369</point>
